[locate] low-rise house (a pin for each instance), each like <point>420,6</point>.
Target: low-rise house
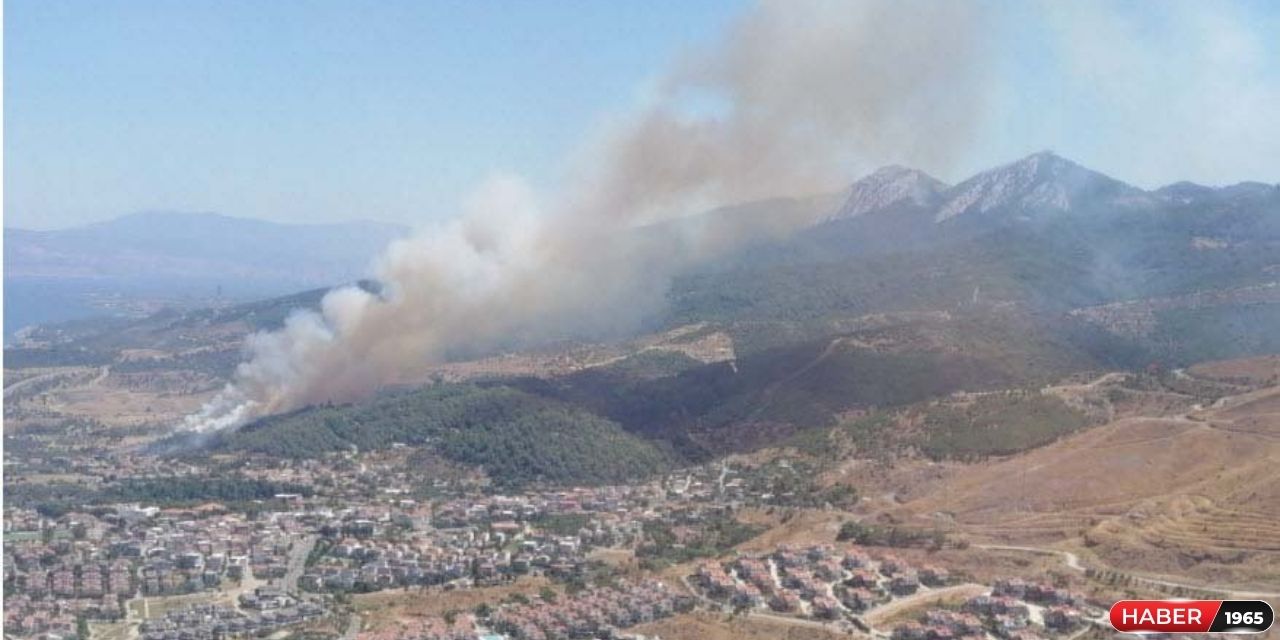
<point>1060,618</point>
<point>934,576</point>
<point>825,607</point>
<point>904,584</point>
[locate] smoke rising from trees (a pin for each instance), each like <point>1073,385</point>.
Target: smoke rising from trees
<point>795,97</point>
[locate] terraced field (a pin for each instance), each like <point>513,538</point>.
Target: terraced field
<point>1197,523</point>
<point>1193,494</point>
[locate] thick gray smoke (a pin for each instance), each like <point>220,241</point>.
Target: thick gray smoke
<point>798,96</point>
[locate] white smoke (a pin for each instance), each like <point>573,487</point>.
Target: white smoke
<point>797,97</point>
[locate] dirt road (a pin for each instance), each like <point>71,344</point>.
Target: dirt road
<point>877,615</point>
<point>1072,561</point>
<point>12,391</point>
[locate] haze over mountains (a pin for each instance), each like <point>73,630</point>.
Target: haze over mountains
<point>52,275</point>
<point>1042,236</point>
<point>1040,199</point>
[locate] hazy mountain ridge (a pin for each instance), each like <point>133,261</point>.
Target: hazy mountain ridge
<point>130,266</point>
<point>193,244</point>
<point>888,305</point>
<point>1183,238</point>
<point>1041,181</point>
<point>891,186</point>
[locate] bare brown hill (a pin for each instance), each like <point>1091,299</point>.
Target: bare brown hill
<point>1194,494</point>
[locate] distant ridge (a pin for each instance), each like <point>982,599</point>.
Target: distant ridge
<point>107,268</point>
<point>1040,183</point>
<point>179,244</point>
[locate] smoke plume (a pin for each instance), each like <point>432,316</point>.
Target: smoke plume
<point>797,97</point>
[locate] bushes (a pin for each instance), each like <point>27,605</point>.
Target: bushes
<point>999,424</point>
<point>889,536</point>
<point>199,489</point>
<point>713,538</point>
<point>56,499</point>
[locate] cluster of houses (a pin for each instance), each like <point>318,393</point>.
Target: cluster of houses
<point>819,581</point>
<point>487,539</point>
<point>192,555</point>
<point>1014,610</point>
<point>72,579</point>
<point>592,613</point>
<point>1057,608</point>
<point>86,564</point>
<point>1037,592</point>
<point>626,502</point>
<point>214,621</point>
<point>30,617</point>
<point>729,484</point>
<point>475,555</point>
<point>941,624</point>
<point>81,565</point>
<point>374,535</point>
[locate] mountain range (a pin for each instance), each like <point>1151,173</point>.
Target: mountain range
<point>196,244</point>
<point>903,288</point>
<point>1039,183</point>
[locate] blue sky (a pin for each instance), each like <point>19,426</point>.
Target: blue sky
<point>326,110</point>
<point>310,110</point>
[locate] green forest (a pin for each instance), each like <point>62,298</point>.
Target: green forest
<point>56,499</point>
<point>517,437</point>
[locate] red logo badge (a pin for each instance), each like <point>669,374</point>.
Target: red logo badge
<point>1191,616</point>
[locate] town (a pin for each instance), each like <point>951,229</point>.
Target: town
<point>604,559</point>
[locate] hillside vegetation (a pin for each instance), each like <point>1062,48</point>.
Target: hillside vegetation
<point>56,499</point>
<point>965,428</point>
<point>518,438</point>
<point>998,424</point>
<point>765,396</point>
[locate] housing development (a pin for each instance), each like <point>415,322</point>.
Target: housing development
<point>601,561</point>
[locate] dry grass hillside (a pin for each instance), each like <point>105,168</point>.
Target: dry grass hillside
<point>1260,370</point>
<point>1193,494</point>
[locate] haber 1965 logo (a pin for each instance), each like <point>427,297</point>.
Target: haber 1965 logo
<point>1191,616</point>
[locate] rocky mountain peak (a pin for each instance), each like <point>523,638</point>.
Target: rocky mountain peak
<point>1039,182</point>
<point>890,186</point>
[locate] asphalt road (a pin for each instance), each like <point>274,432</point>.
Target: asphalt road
<point>298,562</point>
